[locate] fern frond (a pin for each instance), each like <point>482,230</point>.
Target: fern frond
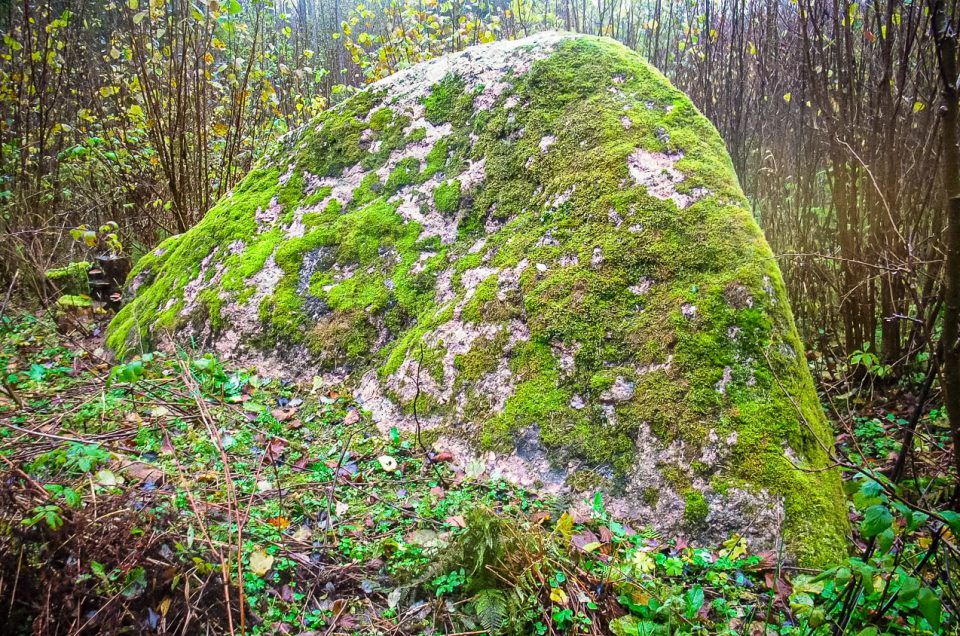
<point>491,606</point>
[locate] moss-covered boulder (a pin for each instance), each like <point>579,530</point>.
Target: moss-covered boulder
<point>539,249</point>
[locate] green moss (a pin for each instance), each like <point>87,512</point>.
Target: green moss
<point>70,279</point>
<point>449,101</point>
<point>483,357</point>
<point>342,338</point>
<point>446,196</point>
<point>695,508</point>
<point>418,134</point>
<point>584,481</point>
<point>71,270</point>
<point>70,301</point>
<point>405,173</point>
<point>436,159</point>
<point>389,135</point>
<point>678,478</point>
<point>651,496</point>
<point>380,118</point>
<point>486,305</point>
<point>368,190</point>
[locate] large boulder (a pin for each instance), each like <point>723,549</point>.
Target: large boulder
<point>538,249</point>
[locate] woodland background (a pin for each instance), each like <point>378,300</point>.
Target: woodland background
<point>146,111</point>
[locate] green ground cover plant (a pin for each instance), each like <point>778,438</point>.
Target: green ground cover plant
<point>173,492</point>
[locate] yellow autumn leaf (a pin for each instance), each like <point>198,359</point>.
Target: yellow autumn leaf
<point>220,130</point>
<point>644,562</point>
<point>260,562</point>
<point>565,526</point>
<point>787,97</point>
<point>557,595</point>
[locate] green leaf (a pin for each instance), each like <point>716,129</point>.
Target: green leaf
<point>694,599</point>
<point>876,519</point>
<point>136,583</point>
<point>98,569</point>
<point>37,372</point>
<point>929,605</point>
<point>233,7</point>
<point>909,587</point>
<point>916,519</point>
<point>885,540</point>
<point>953,520</point>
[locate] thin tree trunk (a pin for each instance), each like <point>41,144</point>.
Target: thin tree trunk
<point>947,57</point>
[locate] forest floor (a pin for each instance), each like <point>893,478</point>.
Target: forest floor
<point>132,492</point>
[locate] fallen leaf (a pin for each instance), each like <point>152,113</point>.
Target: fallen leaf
<point>302,534</point>
<point>388,463</point>
<point>423,537</point>
<point>443,457</point>
<point>260,562</point>
<point>475,468</point>
<point>283,414</point>
<point>393,598</point>
<point>565,526</point>
<point>352,417</point>
<point>457,521</point>
<point>107,478</point>
<point>341,508</point>
<point>557,595</point>
<point>141,471</point>
<point>280,522</point>
<point>586,541</point>
<point>164,606</point>
<point>274,450</point>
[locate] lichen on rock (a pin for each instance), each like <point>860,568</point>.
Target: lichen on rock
<point>543,244</point>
